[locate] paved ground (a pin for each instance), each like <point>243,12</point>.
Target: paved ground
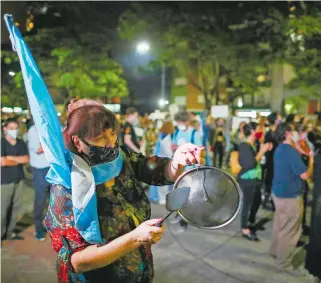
<point>196,256</point>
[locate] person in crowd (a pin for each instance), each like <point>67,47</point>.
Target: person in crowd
<point>150,138</point>
<point>260,131</point>
<point>218,147</point>
<point>163,148</point>
<point>196,122</point>
<point>14,154</point>
<point>313,256</point>
<point>304,149</point>
<point>236,138</point>
<point>184,134</point>
<point>210,125</point>
<point>249,179</point>
<point>270,137</point>
<point>129,137</point>
<point>40,167</point>
<point>123,231</point>
<point>289,171</point>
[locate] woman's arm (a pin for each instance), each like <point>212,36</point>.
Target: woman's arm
<point>94,256</point>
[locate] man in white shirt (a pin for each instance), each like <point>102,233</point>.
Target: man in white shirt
<point>40,167</point>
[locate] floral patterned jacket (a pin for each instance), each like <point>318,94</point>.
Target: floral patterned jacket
<point>122,206</point>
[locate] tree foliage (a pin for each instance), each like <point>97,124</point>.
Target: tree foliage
<point>202,42</point>
<point>72,52</point>
<point>226,43</point>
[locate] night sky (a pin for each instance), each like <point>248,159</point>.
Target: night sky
<point>144,88</point>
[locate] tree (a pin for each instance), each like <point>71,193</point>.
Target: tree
<point>304,52</point>
<point>201,43</point>
<point>73,54</point>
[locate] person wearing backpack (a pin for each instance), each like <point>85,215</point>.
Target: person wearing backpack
<point>249,179</point>
<point>183,134</point>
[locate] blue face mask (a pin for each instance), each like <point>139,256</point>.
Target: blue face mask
<point>12,133</point>
<point>99,154</point>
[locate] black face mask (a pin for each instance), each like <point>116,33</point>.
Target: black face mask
<point>99,154</point>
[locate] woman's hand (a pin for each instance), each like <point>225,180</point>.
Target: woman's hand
<point>188,154</point>
<point>146,233</point>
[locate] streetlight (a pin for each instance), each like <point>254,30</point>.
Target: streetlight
<point>12,74</point>
<point>142,47</point>
<point>162,102</point>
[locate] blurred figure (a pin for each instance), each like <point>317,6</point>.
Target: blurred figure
<point>150,138</point>
<point>129,136</point>
<point>40,168</point>
<point>218,147</point>
<point>249,179</point>
<point>304,149</point>
<point>183,134</point>
<point>313,256</point>
<point>270,137</point>
<point>289,171</point>
<point>196,122</point>
<point>162,149</point>
<point>14,154</point>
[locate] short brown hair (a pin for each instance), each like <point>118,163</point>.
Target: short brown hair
<point>87,121</point>
<point>131,110</point>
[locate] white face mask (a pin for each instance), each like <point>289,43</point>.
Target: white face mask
<point>133,120</point>
<point>182,127</point>
<point>12,133</point>
<point>295,136</point>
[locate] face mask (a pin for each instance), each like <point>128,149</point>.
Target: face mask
<point>182,127</point>
<point>133,120</point>
<point>12,133</point>
<point>99,154</point>
<point>295,136</point>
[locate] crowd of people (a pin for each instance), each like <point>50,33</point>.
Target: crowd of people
<point>276,161</point>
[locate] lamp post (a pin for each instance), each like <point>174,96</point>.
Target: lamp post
<point>142,48</point>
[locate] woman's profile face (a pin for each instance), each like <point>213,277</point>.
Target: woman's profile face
<point>107,138</point>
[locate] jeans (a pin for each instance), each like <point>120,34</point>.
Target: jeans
<point>11,207</point>
<point>41,195</point>
<point>251,201</point>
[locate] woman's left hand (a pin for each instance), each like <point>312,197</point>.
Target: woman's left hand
<point>188,154</point>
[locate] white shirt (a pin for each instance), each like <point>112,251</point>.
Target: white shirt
<point>38,161</point>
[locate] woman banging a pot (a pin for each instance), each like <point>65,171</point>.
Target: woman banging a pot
<point>101,228</point>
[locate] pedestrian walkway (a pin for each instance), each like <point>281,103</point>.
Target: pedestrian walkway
<point>194,256</point>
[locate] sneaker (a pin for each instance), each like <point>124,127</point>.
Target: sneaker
<point>17,237</point>
<point>40,236</point>
<point>40,239</point>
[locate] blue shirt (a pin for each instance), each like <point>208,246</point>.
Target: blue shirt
<point>288,166</point>
<point>189,136</point>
